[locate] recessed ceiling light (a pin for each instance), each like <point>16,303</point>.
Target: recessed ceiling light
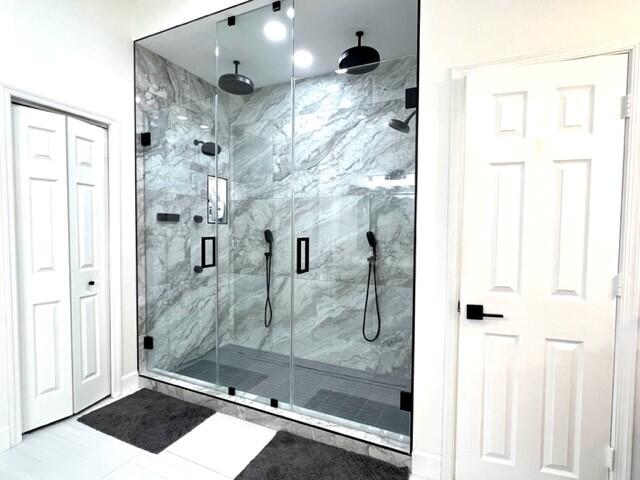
<point>275,31</point>
<point>204,127</point>
<point>303,58</point>
<point>291,12</point>
<point>181,117</point>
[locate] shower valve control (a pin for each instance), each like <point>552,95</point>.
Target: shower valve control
<point>476,312</point>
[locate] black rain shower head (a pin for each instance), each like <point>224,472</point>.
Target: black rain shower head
<point>209,148</point>
<point>401,125</point>
<point>359,59</point>
<point>235,83</point>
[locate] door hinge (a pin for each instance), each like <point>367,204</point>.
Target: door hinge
<point>611,457</point>
<point>625,107</point>
<point>406,401</point>
<point>617,282</point>
<point>147,343</point>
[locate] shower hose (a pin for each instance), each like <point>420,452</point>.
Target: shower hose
<point>268,311</point>
<point>372,268</point>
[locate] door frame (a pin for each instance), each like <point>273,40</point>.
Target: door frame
<point>9,311</point>
<point>628,307</point>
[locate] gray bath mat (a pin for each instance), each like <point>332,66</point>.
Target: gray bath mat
<point>289,457</point>
<point>230,376</point>
<point>147,419</point>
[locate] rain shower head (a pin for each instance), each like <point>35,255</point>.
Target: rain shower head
<point>401,125</point>
<point>209,148</point>
<point>359,59</point>
<point>235,83</point>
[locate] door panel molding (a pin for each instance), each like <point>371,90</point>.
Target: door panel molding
<point>626,334</point>
<point>11,433</point>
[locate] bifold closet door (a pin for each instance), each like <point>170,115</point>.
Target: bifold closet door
<point>43,256</point>
<point>87,162</point>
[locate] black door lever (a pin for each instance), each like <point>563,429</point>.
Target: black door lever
<point>476,312</point>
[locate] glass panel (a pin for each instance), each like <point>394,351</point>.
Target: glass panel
<point>355,174</point>
<point>175,108</point>
<point>254,273</point>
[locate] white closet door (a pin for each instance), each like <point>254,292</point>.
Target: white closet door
<point>43,251</point>
<point>88,245</point>
<point>542,200</point>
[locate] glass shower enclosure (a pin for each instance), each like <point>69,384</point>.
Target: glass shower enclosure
<point>276,211</point>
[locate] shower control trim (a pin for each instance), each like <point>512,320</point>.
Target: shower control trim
<point>302,254</point>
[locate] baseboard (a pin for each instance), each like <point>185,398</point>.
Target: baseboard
<point>5,438</point>
<point>129,383</point>
<point>425,465</point>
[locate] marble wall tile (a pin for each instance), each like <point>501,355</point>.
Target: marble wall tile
<point>159,83</point>
<point>359,145</point>
<point>328,326</point>
<point>352,174</point>
<point>391,79</point>
<point>178,303</point>
<point>331,92</point>
<point>336,227</point>
<point>250,218</point>
<point>268,103</point>
<point>248,295</point>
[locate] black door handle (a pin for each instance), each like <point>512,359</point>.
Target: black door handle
<point>302,252</point>
<point>476,312</point>
<point>204,242</point>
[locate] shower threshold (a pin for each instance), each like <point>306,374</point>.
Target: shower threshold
<point>352,402</point>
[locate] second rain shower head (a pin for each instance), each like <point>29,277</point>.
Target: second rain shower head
<point>236,83</point>
<point>401,125</point>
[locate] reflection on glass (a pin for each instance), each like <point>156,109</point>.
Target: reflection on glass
<point>217,211</point>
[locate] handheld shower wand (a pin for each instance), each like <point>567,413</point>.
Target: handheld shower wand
<point>268,310</point>
<point>373,243</point>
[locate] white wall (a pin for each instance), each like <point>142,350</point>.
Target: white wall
<point>79,53</point>
<point>152,16</point>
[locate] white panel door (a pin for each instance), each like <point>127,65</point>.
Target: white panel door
<point>541,229</point>
<point>86,146</point>
<point>43,251</point>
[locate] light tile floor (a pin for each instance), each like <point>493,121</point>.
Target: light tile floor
<point>218,449</point>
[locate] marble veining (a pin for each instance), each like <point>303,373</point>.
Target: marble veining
<point>344,172</point>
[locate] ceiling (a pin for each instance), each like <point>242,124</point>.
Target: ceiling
<point>325,28</point>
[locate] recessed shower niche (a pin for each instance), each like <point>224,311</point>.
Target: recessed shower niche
<point>282,147</point>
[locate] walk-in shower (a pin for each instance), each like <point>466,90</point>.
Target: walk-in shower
<point>284,278</point>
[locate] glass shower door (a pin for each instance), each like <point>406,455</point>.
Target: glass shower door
<point>354,188</point>
<point>176,292</point>
<point>253,117</point>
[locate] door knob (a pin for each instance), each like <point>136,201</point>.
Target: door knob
<point>476,312</point>
<point>92,283</point>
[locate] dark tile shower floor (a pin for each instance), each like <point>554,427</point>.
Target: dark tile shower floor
<point>363,397</point>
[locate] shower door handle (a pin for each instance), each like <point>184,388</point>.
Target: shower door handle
<point>302,255</point>
<point>204,243</point>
